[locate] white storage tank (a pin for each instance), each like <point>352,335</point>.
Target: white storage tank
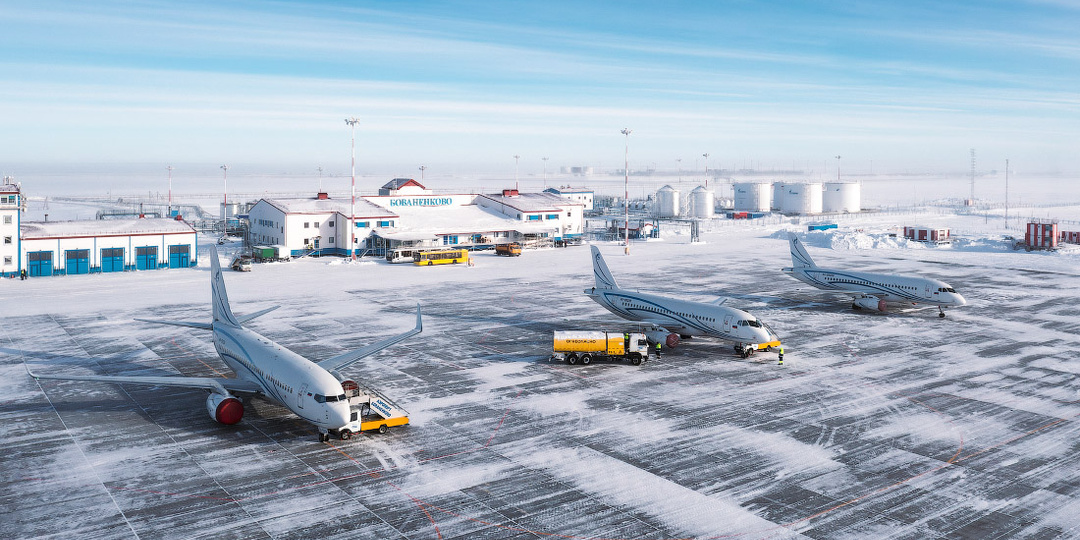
<point>702,203</point>
<point>753,197</point>
<point>667,202</point>
<point>777,196</point>
<point>842,197</point>
<point>802,199</point>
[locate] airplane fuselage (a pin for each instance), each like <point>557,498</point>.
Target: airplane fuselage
<point>684,317</point>
<point>891,288</point>
<point>285,377</point>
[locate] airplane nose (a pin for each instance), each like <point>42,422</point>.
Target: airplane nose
<point>960,301</point>
<point>339,416</point>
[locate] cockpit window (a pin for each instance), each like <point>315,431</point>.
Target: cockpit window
<point>319,398</point>
<point>342,398</point>
<point>752,322</point>
<point>331,398</point>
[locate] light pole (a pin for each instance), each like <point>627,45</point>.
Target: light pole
<point>706,156</point>
<point>169,211</point>
<point>545,170</point>
<point>838,168</point>
<point>516,158</point>
<point>1006,194</point>
<point>320,177</point>
<point>225,207</point>
<point>422,169</point>
<point>352,121</point>
<point>679,161</point>
<point>626,192</point>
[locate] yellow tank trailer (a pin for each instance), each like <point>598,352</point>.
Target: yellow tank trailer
<point>585,346</point>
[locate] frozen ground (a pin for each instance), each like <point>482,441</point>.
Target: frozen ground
<point>896,425</point>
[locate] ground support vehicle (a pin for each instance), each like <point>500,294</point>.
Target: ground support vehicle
<point>441,256</point>
<point>371,411</point>
<point>747,350</point>
<point>270,253</point>
<point>512,249</point>
<point>241,264</point>
<point>585,346</point>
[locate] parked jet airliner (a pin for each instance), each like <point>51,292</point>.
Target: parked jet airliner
<point>871,291</point>
<point>671,318</point>
<point>314,391</point>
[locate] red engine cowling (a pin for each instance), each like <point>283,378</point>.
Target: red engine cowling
<point>225,409</point>
<point>669,340</point>
<point>869,302</point>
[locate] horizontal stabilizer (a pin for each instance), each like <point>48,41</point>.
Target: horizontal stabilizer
<point>190,324</point>
<point>257,314</point>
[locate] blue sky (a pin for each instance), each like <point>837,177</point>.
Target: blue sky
<point>464,86</point>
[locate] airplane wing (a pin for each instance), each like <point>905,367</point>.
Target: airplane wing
<point>220,385</point>
<point>350,357</point>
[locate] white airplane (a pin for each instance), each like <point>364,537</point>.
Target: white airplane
<point>671,318</point>
<point>871,291</point>
<point>314,391</point>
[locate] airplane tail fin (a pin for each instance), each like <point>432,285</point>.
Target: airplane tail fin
<point>604,279</point>
<point>220,299</point>
<point>799,257</point>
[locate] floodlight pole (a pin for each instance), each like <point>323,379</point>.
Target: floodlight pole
<point>1006,194</point>
<point>169,211</point>
<point>225,208</point>
<point>679,161</point>
<point>706,156</point>
<point>422,169</point>
<point>838,168</point>
<point>545,170</point>
<point>516,158</point>
<point>352,208</point>
<point>626,192</point>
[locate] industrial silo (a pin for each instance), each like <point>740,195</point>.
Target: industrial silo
<point>802,199</point>
<point>777,196</point>
<point>667,202</point>
<point>702,203</point>
<point>842,197</point>
<point>753,197</point>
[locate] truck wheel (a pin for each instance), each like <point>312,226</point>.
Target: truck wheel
<point>636,359</point>
<point>345,434</point>
<point>382,428</point>
<point>585,359</point>
<point>571,359</point>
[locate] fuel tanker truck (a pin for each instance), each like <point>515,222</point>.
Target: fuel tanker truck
<point>585,346</point>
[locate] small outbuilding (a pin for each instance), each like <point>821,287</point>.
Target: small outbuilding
<point>92,246</point>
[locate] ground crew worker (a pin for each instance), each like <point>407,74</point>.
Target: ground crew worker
<point>658,350</point>
<point>22,274</point>
<point>781,357</point>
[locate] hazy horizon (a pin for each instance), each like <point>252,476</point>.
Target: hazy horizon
<point>462,87</point>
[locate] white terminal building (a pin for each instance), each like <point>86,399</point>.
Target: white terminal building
<point>407,214</point>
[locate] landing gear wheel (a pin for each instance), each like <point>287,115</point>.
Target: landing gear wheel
<point>571,359</point>
<point>941,315</point>
<point>345,434</point>
<point>382,428</point>
<point>324,437</point>
<point>585,359</point>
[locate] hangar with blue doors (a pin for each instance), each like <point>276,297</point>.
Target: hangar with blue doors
<point>93,246</point>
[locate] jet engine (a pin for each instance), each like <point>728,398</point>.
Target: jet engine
<point>659,336</point>
<point>224,408</point>
<point>868,302</point>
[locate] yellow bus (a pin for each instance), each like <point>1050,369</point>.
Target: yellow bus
<point>451,256</point>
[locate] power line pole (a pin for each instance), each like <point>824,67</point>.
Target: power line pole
<point>626,192</point>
